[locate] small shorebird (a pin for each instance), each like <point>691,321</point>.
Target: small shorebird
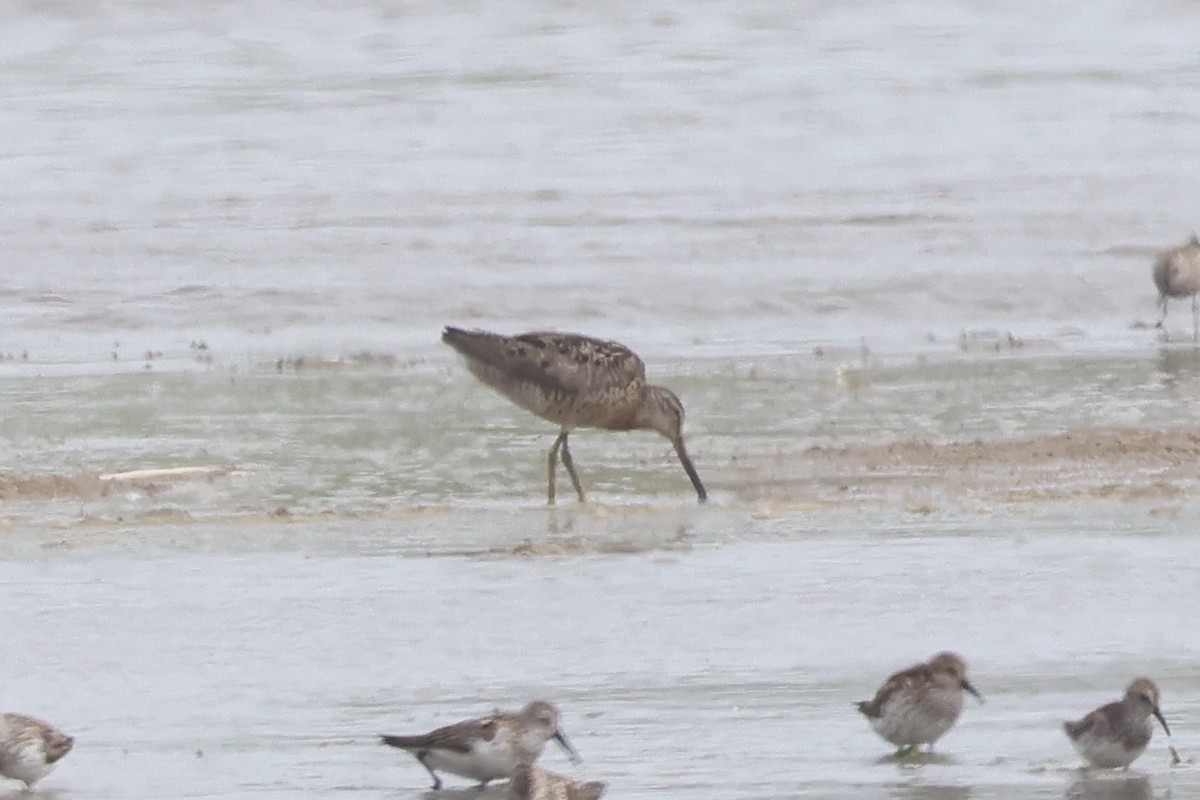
<point>532,783</point>
<point>1177,274</point>
<point>29,748</point>
<point>1114,735</point>
<point>920,704</point>
<point>577,382</point>
<point>488,748</point>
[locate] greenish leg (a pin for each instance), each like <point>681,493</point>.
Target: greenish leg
<point>570,465</point>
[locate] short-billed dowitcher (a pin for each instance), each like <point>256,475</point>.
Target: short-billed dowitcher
<point>920,704</point>
<point>1114,735</point>
<point>29,748</point>
<point>1177,274</point>
<point>576,382</point>
<point>488,748</point>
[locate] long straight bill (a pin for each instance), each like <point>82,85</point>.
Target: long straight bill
<point>690,469</point>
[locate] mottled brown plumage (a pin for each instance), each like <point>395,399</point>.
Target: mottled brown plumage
<point>487,748</point>
<point>920,704</point>
<point>574,381</point>
<point>531,783</point>
<point>1115,734</point>
<point>29,748</point>
<point>1177,274</point>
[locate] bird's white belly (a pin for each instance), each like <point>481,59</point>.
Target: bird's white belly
<point>1105,752</point>
<point>486,761</point>
<point>26,763</point>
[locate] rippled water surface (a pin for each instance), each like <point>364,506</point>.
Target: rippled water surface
<point>895,260</point>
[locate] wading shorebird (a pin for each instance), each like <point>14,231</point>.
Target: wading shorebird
<point>531,783</point>
<point>29,748</point>
<point>920,704</point>
<point>576,382</point>
<point>1177,274</point>
<point>488,748</point>
<point>1114,735</point>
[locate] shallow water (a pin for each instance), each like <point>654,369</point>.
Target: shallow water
<point>336,177</point>
<point>712,670</point>
<point>376,563</point>
<point>851,238</point>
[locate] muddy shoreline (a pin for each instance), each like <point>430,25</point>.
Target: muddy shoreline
<point>1124,464</point>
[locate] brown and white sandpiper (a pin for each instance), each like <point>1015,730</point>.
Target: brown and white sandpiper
<point>30,748</point>
<point>533,783</point>
<point>1114,735</point>
<point>1177,274</point>
<point>919,705</point>
<point>488,748</point>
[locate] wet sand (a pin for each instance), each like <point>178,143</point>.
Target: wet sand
<point>1124,464</point>
<point>1132,465</point>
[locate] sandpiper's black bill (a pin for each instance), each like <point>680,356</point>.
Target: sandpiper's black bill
<point>561,738</point>
<point>690,469</point>
<point>1162,720</point>
<point>966,684</point>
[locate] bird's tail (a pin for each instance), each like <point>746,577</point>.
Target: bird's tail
<point>58,746</point>
<point>403,742</point>
<point>473,344</point>
<point>592,790</point>
<point>485,350</point>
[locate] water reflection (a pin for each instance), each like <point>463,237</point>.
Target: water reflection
<point>493,791</point>
<point>1110,787</point>
<point>916,759</point>
<point>927,791</point>
<point>1179,362</point>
